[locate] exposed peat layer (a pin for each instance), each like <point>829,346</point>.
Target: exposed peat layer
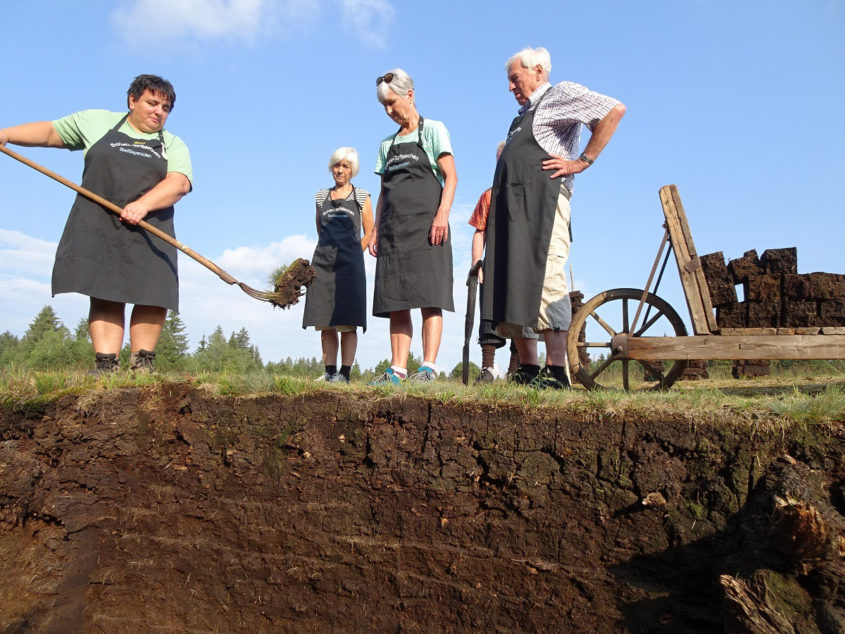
<point>169,508</point>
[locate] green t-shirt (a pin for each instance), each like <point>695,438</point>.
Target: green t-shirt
<point>81,130</point>
<point>435,142</point>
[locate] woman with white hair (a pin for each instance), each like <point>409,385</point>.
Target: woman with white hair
<point>336,301</point>
<point>411,236</point>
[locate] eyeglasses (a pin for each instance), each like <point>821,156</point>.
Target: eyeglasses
<point>386,78</point>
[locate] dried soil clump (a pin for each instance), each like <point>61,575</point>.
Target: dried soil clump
<point>289,282</point>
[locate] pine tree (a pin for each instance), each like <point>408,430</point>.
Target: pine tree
<point>82,350</point>
<point>172,346</point>
<point>46,344</point>
<point>8,345</point>
<point>81,332</point>
<point>44,322</point>
<point>240,340</point>
<point>218,355</point>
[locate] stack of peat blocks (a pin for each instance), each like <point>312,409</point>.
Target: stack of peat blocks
<point>776,296</point>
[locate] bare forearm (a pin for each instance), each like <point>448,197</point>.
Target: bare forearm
<point>35,134</point>
<point>450,184</point>
<point>477,245</point>
<point>373,245</point>
<point>168,192</point>
<point>367,221</point>
<point>439,232</point>
<point>603,131</point>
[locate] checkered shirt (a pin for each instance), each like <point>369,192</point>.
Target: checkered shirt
<point>558,118</point>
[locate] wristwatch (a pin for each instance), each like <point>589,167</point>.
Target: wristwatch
<point>585,158</point>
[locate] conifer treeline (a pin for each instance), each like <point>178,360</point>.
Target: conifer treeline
<point>48,345</point>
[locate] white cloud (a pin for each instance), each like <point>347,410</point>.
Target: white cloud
<point>205,19</point>
<point>261,260</point>
<point>245,20</point>
<point>370,20</point>
<point>23,254</point>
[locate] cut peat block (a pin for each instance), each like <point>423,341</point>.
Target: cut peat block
<point>746,266</point>
<point>763,314</point>
<point>780,261</point>
<point>733,315</point>
<point>762,288</point>
<point>800,314</point>
<point>719,280</point>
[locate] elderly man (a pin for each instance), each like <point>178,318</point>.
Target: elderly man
<point>528,232</point>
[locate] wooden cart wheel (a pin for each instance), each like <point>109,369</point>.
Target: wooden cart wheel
<point>613,311</point>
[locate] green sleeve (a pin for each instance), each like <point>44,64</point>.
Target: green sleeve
<point>437,138</point>
<point>178,156</point>
<point>81,130</point>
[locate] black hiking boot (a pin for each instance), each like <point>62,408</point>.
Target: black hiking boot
<point>142,361</point>
<point>524,374</point>
<point>552,378</point>
<point>105,364</point>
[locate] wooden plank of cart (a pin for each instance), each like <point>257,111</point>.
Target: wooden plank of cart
<point>648,339</point>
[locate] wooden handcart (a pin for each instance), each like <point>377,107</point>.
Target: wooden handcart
<point>643,328</point>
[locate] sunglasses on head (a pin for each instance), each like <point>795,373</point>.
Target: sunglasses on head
<point>386,78</point>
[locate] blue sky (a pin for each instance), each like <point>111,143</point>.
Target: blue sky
<point>736,103</point>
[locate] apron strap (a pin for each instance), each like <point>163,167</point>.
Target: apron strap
<point>160,135</point>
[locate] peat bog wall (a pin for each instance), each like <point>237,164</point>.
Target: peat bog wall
<point>168,509</point>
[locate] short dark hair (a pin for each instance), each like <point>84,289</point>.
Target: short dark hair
<point>155,84</point>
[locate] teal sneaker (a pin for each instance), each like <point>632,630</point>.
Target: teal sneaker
<point>388,377</point>
<point>425,375</point>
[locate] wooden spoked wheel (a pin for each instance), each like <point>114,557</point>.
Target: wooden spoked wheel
<point>613,311</point>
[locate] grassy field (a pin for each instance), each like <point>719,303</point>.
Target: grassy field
<point>794,393</point>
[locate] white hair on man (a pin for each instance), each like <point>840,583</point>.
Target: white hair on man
<point>396,80</point>
<point>345,154</point>
<point>531,57</point>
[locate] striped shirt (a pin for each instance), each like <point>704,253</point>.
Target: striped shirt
<point>361,196</point>
<point>560,115</point>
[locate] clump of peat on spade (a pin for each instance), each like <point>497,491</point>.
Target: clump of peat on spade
<point>289,283</point>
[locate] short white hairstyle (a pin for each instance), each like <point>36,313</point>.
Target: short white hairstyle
<point>345,154</point>
<point>531,57</point>
<point>401,84</point>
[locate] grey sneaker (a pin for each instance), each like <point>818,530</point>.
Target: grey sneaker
<point>324,377</point>
<point>425,375</point>
<point>337,377</point>
<point>486,376</point>
<point>142,361</point>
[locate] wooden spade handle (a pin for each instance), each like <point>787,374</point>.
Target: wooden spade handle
<point>223,275</point>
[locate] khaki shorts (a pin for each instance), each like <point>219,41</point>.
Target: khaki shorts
<point>338,328</point>
<point>555,307</point>
<point>515,331</point>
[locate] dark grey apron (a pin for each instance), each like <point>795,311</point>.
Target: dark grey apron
<point>102,257</point>
<point>410,271</point>
<point>519,228</point>
<point>338,295</point>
